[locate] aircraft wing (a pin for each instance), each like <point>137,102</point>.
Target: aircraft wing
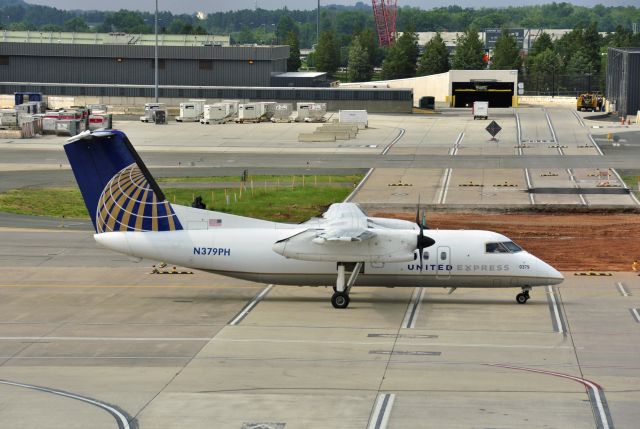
<point>345,234</point>
<point>344,223</point>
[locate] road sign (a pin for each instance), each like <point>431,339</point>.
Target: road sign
<point>493,128</point>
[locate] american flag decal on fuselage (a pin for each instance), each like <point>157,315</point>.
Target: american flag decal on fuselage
<point>128,203</point>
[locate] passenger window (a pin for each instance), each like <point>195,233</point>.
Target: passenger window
<point>443,256</point>
<point>425,255</point>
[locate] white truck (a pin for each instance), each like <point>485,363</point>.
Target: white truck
<point>480,110</point>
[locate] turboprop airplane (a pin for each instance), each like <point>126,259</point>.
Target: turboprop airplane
<point>344,247</point>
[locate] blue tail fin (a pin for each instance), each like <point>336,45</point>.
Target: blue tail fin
<point>119,191</point>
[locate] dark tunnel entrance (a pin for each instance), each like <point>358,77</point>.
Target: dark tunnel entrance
<point>498,94</point>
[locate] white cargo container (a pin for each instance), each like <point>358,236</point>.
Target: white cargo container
<point>283,112</point>
<point>49,122</point>
<point>148,111</point>
<point>69,127</point>
<point>97,108</point>
<point>218,113</point>
<point>191,111</point>
<point>354,117</point>
<point>480,110</point>
<point>234,106</point>
<point>8,118</point>
<point>255,112</point>
<point>100,120</point>
<point>311,112</point>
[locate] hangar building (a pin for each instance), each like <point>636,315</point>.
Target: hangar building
<point>623,80</point>
<point>123,59</point>
<point>459,88</point>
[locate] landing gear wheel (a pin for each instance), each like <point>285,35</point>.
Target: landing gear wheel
<point>522,297</point>
<point>340,300</point>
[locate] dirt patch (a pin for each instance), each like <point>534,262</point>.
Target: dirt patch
<point>569,242</point>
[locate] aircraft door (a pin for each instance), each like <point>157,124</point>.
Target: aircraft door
<point>444,262</point>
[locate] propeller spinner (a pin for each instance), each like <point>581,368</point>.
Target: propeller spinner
<point>423,241</point>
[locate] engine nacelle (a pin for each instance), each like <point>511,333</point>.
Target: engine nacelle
<point>383,246</point>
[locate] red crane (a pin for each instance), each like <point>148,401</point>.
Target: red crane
<point>385,12</point>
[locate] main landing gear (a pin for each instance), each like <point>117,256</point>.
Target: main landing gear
<point>523,296</point>
<point>340,297</point>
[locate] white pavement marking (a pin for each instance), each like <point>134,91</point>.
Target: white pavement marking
<point>121,420</point>
<point>598,395</point>
<point>596,145</point>
<point>245,311</point>
<point>382,411</point>
<point>553,132</point>
<point>631,194</point>
<point>622,289</point>
<point>579,118</point>
<point>394,141</point>
<point>417,344</point>
<point>555,310</point>
<point>634,312</point>
<point>519,133</point>
<point>446,177</point>
<point>413,309</point>
<point>366,177</point>
<point>445,185</point>
<point>105,339</point>
<point>527,178</point>
<point>360,185</point>
<point>575,185</point>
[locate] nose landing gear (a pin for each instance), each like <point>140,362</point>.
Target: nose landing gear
<point>523,296</point>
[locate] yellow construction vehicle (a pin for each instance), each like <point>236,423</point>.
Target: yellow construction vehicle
<point>588,102</point>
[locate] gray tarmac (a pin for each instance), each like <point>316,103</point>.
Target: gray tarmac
<point>91,338</point>
<point>542,156</point>
<point>165,350</point>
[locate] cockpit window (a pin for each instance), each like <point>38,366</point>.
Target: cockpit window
<point>513,247</point>
<point>504,247</point>
<point>496,248</point>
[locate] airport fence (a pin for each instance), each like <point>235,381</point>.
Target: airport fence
<point>564,84</point>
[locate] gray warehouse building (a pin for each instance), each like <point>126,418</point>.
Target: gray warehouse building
<point>114,65</point>
<point>134,64</point>
<point>623,80</point>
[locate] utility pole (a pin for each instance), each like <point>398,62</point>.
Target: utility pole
<point>156,54</point>
<point>318,25</point>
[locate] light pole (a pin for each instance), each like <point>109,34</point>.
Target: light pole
<point>156,54</point>
<point>318,24</point>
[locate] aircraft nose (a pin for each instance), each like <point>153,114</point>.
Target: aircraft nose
<point>554,275</point>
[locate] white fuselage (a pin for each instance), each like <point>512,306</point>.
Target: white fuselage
<point>457,259</point>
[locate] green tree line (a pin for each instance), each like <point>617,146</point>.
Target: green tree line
<point>261,25</point>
